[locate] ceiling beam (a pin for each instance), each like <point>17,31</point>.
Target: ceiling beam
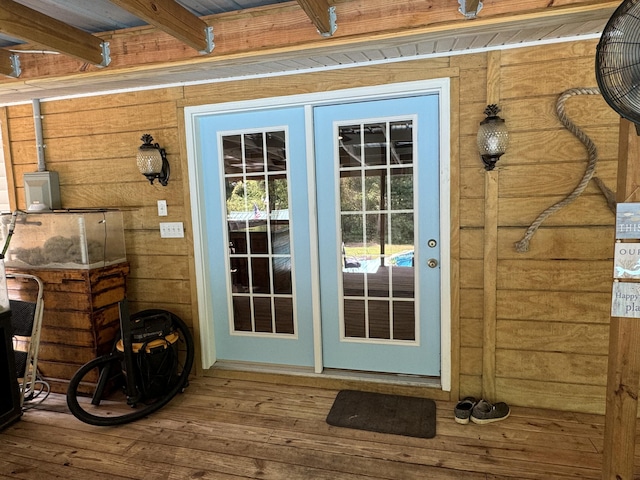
<point>470,8</point>
<point>22,22</point>
<point>320,14</point>
<point>160,59</point>
<point>174,19</point>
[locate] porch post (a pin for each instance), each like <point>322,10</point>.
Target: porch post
<point>623,376</point>
<point>490,253</point>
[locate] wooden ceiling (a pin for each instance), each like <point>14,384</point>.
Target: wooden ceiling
<point>114,44</point>
<point>170,16</point>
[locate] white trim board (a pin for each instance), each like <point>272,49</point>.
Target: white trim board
<point>408,58</point>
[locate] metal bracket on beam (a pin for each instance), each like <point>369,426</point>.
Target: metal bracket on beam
<point>106,54</point>
<point>468,8</point>
<point>208,35</point>
<point>15,65</point>
<point>332,23</point>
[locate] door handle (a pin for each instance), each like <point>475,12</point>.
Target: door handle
<point>432,263</point>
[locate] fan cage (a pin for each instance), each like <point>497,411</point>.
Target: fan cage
<point>618,61</point>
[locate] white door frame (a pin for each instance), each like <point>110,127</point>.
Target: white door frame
<point>440,86</point>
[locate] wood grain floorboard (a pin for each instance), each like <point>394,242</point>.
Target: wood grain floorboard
<point>242,429</point>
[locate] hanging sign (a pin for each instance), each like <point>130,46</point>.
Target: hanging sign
<point>628,220</point>
<point>626,261</point>
<point>625,300</point>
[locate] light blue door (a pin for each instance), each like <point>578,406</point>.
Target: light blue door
<point>377,173</point>
<point>257,227</point>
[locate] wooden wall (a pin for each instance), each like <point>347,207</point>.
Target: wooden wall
<point>92,143</point>
<point>543,337</point>
<point>549,340</point>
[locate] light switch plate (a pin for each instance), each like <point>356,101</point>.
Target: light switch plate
<point>162,208</point>
<point>171,230</point>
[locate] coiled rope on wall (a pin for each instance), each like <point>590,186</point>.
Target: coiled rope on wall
<point>523,245</point>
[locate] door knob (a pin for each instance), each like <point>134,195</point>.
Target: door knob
<point>432,262</point>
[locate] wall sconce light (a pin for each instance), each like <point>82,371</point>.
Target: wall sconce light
<point>152,161</point>
<point>493,137</point>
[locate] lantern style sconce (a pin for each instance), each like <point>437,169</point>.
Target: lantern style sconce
<point>493,137</point>
<point>152,161</point>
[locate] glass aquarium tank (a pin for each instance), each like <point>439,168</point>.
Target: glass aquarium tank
<point>64,239</point>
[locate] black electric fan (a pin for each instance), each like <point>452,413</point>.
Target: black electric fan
<point>618,62</point>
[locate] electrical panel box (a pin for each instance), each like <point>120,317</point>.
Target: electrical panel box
<point>42,190</point>
<point>69,239</point>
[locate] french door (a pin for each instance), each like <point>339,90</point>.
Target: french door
<point>257,211</point>
<point>377,174</point>
<point>367,243</point>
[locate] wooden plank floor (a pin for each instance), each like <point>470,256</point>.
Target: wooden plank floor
<point>234,429</point>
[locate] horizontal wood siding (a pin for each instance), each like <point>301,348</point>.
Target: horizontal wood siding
<point>552,302</point>
<point>91,143</point>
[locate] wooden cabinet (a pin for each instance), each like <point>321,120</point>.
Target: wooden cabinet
<point>80,319</point>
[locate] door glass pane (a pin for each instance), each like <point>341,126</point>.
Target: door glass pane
<point>375,144</point>
<point>354,319</point>
<point>377,230</point>
<point>232,145</point>
<point>404,324</point>
<point>374,191</point>
<point>284,315</point>
<point>401,255</point>
<point>401,189</point>
<point>276,152</point>
<point>257,201</point>
<point>350,146</point>
<point>262,310</point>
<point>375,236</point>
<point>353,283</point>
<point>242,314</point>
<point>260,275</point>
<point>378,282</point>
<point>379,321</point>
<point>282,275</point>
<point>351,190</point>
<point>401,134</point>
<point>254,152</point>
<point>240,273</point>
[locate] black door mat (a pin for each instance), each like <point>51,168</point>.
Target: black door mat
<point>376,412</point>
